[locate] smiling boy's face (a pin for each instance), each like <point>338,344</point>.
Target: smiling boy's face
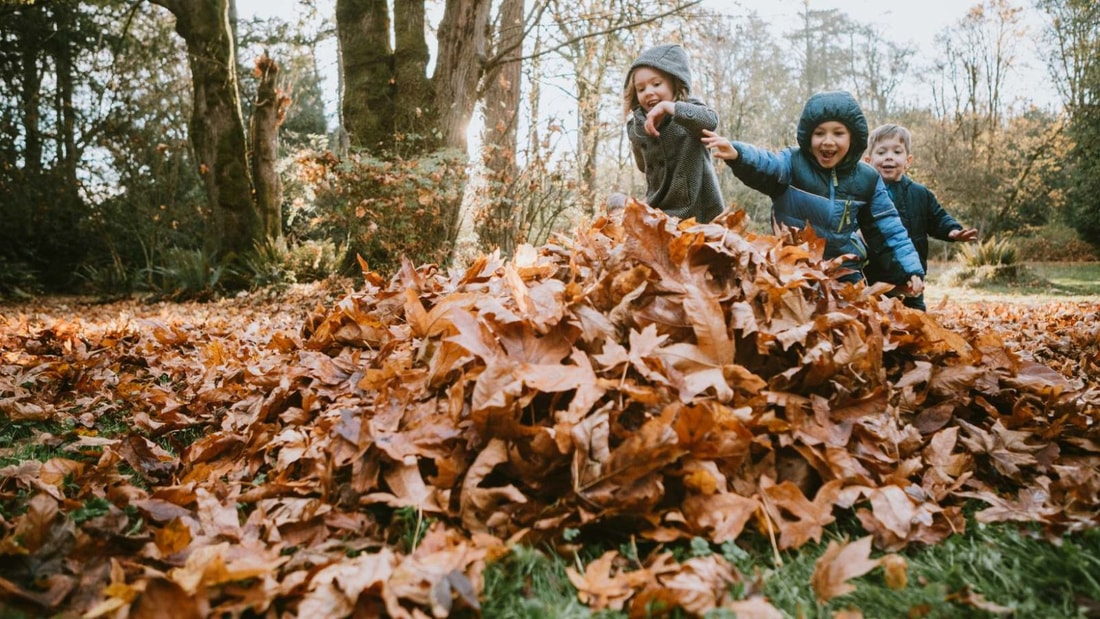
<point>829,143</point>
<point>890,157</point>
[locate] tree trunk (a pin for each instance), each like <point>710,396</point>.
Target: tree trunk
<point>367,111</point>
<point>217,127</point>
<point>267,116</point>
<point>498,226</point>
<point>31,32</point>
<point>414,97</point>
<point>458,69</point>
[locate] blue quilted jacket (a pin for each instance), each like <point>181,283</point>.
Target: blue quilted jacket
<point>840,203</point>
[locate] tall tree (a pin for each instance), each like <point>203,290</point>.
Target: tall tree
<point>1073,42</point>
<point>39,185</point>
<point>217,125</point>
<point>389,101</point>
<point>821,50</point>
<point>979,55</point>
<point>268,115</point>
<point>591,59</point>
<point>1072,37</point>
<point>497,227</point>
<point>32,30</point>
<point>878,67</point>
<point>367,74</point>
<point>978,160</point>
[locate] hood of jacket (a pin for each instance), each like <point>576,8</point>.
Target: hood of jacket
<point>842,107</point>
<point>671,59</point>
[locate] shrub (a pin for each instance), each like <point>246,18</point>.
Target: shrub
<point>17,280</point>
<point>111,278</point>
<point>988,262</point>
<point>388,208</point>
<point>269,264</point>
<point>990,252</point>
<point>1053,243</point>
<point>188,274</point>
<point>278,263</point>
<point>314,260</point>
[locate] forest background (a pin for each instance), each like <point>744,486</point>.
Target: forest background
<point>170,146</point>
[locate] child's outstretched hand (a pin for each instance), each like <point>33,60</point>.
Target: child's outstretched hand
<point>915,286</point>
<point>657,114</point>
<point>720,146</point>
<point>963,236</point>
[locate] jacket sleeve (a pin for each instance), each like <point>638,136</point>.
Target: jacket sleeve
<point>695,116</point>
<point>762,170</point>
<point>881,224</point>
<point>940,222</point>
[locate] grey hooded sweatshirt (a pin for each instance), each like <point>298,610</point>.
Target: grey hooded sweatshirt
<point>679,174</point>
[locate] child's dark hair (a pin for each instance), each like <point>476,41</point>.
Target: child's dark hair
<point>630,96</point>
<point>890,130</point>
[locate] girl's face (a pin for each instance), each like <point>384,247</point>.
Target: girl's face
<point>829,143</point>
<point>652,86</point>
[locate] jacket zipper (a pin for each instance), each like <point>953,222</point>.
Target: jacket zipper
<point>832,197</point>
<point>844,217</point>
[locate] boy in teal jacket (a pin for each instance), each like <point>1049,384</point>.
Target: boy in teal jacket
<point>822,183</point>
<point>889,149</point>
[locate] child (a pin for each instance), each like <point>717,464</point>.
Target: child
<point>665,127</point>
<point>823,183</point>
<point>889,152</point>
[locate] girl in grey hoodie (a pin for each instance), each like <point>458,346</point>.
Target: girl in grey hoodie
<point>665,128</point>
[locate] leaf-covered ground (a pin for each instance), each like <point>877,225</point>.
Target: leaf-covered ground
<point>277,454</point>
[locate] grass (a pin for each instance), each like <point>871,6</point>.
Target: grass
<point>530,584</point>
<point>1049,281</point>
<point>989,571</point>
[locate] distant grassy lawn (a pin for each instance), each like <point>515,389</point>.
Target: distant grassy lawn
<point>1062,281</point>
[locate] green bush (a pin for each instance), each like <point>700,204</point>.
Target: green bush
<point>386,209</point>
<point>17,280</point>
<point>990,252</point>
<point>189,274</point>
<point>269,264</point>
<point>278,263</point>
<point>110,278</point>
<point>989,262</point>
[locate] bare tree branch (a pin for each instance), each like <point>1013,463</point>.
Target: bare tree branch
<point>502,58</point>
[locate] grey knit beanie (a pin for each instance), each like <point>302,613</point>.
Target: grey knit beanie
<point>671,59</point>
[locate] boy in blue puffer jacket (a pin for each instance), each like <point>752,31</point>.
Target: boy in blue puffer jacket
<point>823,183</point>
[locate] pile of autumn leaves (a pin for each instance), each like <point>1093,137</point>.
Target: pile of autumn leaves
<point>659,380</point>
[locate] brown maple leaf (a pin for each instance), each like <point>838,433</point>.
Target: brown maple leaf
<point>841,563</point>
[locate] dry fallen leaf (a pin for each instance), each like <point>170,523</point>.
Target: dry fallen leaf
<point>896,570</point>
<point>841,563</point>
